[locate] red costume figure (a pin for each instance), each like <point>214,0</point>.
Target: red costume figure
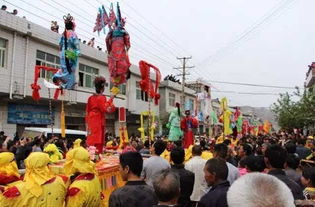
<point>118,44</point>
<point>187,124</point>
<point>96,108</point>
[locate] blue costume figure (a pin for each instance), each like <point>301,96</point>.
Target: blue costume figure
<point>69,52</point>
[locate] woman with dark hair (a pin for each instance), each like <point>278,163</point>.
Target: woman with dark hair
<point>96,108</point>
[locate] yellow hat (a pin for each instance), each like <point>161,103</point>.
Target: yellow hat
<point>8,165</point>
<point>53,152</point>
<point>78,160</point>
<point>37,172</point>
<point>77,143</point>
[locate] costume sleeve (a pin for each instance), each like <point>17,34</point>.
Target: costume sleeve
<point>75,197</point>
<point>106,106</point>
<point>127,40</point>
<point>108,41</point>
<point>183,124</point>
<point>195,122</point>
<point>76,45</point>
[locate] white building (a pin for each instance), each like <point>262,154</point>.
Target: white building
<point>24,44</point>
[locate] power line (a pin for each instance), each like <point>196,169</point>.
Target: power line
<point>158,29</point>
<point>251,84</point>
<point>250,29</point>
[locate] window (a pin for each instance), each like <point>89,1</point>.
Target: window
<point>46,59</point>
<point>3,49</point>
<point>122,88</point>
<point>87,75</point>
<point>171,99</point>
<point>138,93</point>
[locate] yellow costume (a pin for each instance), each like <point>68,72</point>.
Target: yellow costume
<point>53,152</point>
<point>207,155</point>
<point>188,153</point>
<point>40,188</point>
<point>9,174</point>
<point>219,140</point>
<point>85,190</point>
<point>166,155</point>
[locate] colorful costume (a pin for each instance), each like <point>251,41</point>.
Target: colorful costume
<point>187,125</point>
<point>40,187</point>
<point>226,117</point>
<point>69,51</point>
<point>9,173</point>
<point>85,189</point>
<point>53,152</point>
<point>117,44</point>
<point>96,108</point>
<point>175,132</point>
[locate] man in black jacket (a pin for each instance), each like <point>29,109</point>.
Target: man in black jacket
<point>216,172</point>
<point>187,178</point>
<point>136,193</point>
<point>275,158</point>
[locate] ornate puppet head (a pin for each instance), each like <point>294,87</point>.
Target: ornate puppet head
<point>69,22</point>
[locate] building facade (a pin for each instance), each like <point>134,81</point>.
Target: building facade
<point>24,44</point>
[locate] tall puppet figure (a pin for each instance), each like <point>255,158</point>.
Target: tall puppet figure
<point>118,44</point>
<point>175,132</point>
<point>187,124</point>
<point>69,48</point>
<point>96,108</point>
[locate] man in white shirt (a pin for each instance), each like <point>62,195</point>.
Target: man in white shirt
<point>155,164</point>
<point>221,151</point>
<point>196,165</point>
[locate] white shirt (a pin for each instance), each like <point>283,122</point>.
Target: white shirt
<point>233,173</point>
<point>196,165</point>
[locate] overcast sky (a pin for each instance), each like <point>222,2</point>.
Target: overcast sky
<point>267,42</point>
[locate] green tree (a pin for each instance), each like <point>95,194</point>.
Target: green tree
<point>292,114</point>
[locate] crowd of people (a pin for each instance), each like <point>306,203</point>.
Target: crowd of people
<point>264,170</point>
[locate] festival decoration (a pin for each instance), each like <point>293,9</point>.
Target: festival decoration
<point>123,133</point>
<point>117,44</point>
<point>226,117</point>
<point>146,85</point>
<point>267,127</point>
<point>35,87</point>
<point>187,124</point>
<point>151,129</point>
<point>174,124</point>
<point>69,52</point>
<point>238,119</point>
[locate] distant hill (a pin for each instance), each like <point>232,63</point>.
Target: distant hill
<point>263,113</point>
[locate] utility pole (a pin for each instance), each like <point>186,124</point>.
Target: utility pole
<point>184,73</point>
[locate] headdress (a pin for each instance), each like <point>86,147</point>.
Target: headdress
<point>67,19</point>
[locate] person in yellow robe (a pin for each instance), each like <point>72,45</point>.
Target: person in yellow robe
<point>9,173</point>
<point>53,152</point>
<point>40,188</point>
<point>85,189</point>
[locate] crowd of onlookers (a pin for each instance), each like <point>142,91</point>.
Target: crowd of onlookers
<point>4,8</point>
<point>272,170</point>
